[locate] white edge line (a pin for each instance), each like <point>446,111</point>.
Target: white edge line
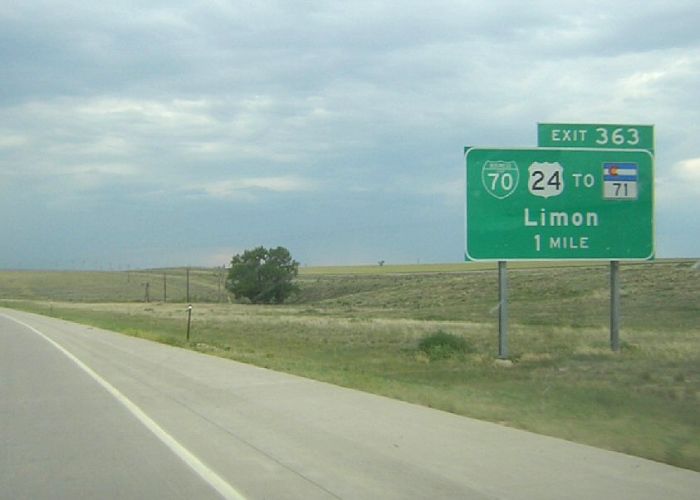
<point>208,475</point>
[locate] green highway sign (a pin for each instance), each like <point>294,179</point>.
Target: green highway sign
<point>559,203</point>
<point>586,135</point>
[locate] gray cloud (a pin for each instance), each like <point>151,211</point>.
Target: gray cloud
<point>139,113</point>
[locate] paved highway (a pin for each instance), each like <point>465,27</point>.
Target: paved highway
<point>93,414</point>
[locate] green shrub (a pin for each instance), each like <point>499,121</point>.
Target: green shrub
<point>443,345</point>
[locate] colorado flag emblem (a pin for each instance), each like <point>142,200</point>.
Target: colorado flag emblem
<point>620,181</point>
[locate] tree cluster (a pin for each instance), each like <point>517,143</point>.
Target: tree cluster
<point>262,275</point>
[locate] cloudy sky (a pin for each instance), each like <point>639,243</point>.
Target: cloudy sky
<point>158,133</point>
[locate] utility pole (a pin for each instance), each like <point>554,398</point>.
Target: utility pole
<point>221,283</point>
<point>148,298</point>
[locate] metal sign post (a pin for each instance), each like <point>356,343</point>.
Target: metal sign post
<point>502,310</point>
<point>615,305</point>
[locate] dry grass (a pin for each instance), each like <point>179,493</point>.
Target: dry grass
<point>362,330</point>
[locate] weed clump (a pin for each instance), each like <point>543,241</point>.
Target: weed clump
<point>444,345</point>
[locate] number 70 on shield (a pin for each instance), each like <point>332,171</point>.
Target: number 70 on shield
<point>501,180</point>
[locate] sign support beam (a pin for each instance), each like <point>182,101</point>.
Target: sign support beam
<point>615,305</point>
<point>502,310</point>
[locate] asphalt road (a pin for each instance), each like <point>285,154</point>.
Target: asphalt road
<point>93,414</point>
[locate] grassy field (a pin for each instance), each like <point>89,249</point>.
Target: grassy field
<point>103,286</point>
<point>361,327</point>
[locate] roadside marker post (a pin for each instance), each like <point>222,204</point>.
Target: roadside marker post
<point>189,321</point>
